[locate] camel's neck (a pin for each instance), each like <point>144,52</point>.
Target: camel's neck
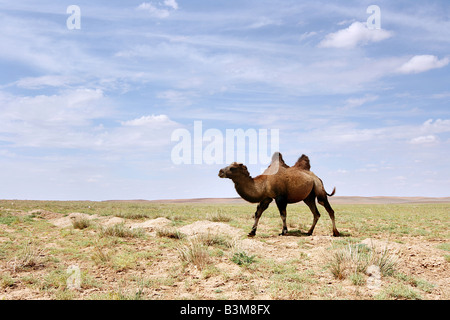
<point>248,189</point>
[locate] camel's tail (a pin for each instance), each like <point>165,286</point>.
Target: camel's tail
<point>332,192</point>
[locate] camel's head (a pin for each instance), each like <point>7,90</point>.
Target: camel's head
<point>234,170</point>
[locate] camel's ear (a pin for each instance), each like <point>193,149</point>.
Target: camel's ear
<point>243,166</point>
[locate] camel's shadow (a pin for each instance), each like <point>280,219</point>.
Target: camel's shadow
<point>296,233</point>
<point>300,233</point>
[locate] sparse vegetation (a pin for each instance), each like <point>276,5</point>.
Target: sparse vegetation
<point>124,262</point>
<point>194,252</point>
<point>120,230</point>
<point>28,257</point>
<point>209,239</point>
<point>399,291</point>
<point>242,258</point>
<point>353,260</point>
<point>170,233</point>
<point>219,216</point>
<point>81,223</point>
<point>99,256</point>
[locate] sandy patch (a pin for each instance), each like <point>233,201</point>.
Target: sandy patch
<point>209,227</point>
<point>111,221</point>
<point>152,224</point>
<point>67,221</point>
<point>252,246</point>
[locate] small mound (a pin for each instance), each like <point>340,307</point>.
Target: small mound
<point>205,227</point>
<point>152,224</point>
<point>65,222</point>
<point>44,214</point>
<point>381,245</point>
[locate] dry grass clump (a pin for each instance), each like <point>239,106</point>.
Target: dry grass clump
<point>81,223</point>
<point>209,239</point>
<point>99,256</point>
<point>122,231</point>
<point>27,258</point>
<point>218,216</point>
<point>195,252</point>
<point>353,260</point>
<point>170,233</point>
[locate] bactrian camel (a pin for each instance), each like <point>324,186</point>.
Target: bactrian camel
<point>284,184</point>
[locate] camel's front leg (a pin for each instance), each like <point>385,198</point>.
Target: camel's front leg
<point>282,204</point>
<point>263,205</point>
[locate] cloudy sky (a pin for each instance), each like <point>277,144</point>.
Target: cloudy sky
<point>90,112</point>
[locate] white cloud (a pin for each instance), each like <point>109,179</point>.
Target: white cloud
<point>344,134</point>
<point>357,102</point>
<point>144,133</point>
<point>171,3</point>
<point>422,63</point>
<point>148,121</point>
<point>73,120</point>
<point>177,98</point>
<point>69,108</point>
<point>437,126</point>
<point>154,11</point>
<point>443,95</point>
<point>307,35</point>
<point>430,139</point>
<point>263,22</point>
<point>159,11</point>
<point>357,33</point>
<point>60,120</point>
<point>43,81</point>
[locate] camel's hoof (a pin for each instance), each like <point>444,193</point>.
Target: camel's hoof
<point>251,235</point>
<point>336,234</point>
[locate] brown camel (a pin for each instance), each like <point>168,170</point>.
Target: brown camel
<point>284,184</point>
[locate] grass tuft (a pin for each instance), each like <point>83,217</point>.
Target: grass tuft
<point>354,259</point>
<point>218,216</point>
<point>195,253</point>
<point>81,223</point>
<point>170,233</point>
<point>120,230</point>
<point>242,259</point>
<point>28,258</point>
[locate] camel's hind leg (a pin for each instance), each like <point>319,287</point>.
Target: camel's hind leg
<point>324,202</point>
<point>311,203</point>
<point>263,205</point>
<point>282,204</point>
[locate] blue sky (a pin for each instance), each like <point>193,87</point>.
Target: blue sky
<point>89,113</point>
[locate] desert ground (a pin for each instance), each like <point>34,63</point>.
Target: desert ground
<point>390,248</point>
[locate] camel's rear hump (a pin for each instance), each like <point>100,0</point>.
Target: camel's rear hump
<point>303,163</point>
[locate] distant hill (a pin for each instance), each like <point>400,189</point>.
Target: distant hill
<point>333,200</point>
